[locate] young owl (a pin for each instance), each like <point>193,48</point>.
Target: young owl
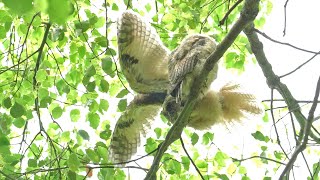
<point>153,72</point>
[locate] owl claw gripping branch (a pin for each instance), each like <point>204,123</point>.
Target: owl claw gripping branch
<point>153,71</point>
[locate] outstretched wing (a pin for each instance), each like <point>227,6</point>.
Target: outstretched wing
<point>133,124</point>
<point>186,62</point>
<point>143,57</point>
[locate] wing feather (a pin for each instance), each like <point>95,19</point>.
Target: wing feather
<point>143,57</point>
<point>132,125</point>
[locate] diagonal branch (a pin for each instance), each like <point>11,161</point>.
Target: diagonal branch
<point>248,14</point>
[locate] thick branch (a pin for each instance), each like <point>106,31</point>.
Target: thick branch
<point>249,12</point>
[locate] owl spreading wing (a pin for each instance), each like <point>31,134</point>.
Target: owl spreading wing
<point>186,63</point>
<point>133,124</point>
<point>144,62</point>
<point>143,57</point>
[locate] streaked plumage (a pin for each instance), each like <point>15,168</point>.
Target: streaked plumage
<point>133,124</point>
<point>143,57</point>
<point>186,63</point>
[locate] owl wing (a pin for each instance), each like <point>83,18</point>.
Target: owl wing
<point>143,57</point>
<point>186,62</point>
<point>133,124</point>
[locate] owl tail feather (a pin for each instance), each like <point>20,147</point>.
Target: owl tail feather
<point>229,105</point>
<point>237,104</point>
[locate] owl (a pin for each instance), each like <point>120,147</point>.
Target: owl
<point>163,80</point>
<point>185,64</point>
<point>142,55</point>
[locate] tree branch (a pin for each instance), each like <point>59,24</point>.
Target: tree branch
<point>273,80</point>
<point>302,146</point>
<point>248,14</point>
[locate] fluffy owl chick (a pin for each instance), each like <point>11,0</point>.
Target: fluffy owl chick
<point>228,105</point>
<point>132,124</point>
<point>143,57</point>
<point>186,63</point>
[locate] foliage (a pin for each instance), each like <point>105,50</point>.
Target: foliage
<point>63,90</point>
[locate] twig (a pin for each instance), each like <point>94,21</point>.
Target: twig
<point>260,157</point>
<point>301,65</point>
<point>194,165</point>
<point>228,13</point>
<point>275,126</point>
<point>285,18</point>
<point>283,43</point>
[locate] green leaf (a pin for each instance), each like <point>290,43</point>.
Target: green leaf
<point>111,52</point>
<point>19,122</point>
<point>72,175</point>
<point>151,145</point>
<point>122,105</point>
<point>75,115</point>
<point>91,86</point>
<point>173,167</point>
<point>122,93</point>
<point>91,71</point>
<point>73,162</point>
<point>278,155</point>
<point>202,164</point>
<point>65,136</point>
<point>41,75</point>
<point>32,163</point>
<point>93,155</point>
<point>100,23</point>
<point>3,32</point>
<point>104,105</point>
<point>158,132</point>
<point>104,85</point>
<point>207,137</point>
<point>94,120</point>
<point>84,134</point>
<point>59,11</point>
<point>185,162</point>
<point>19,7</point>
<point>106,133</point>
<point>17,110</point>
<point>4,141</point>
<point>93,107</point>
<point>102,41</point>
<point>220,158</point>
<point>57,112</point>
<point>115,7</point>
<point>222,176</point>
<point>194,138</point>
<point>7,103</point>
<point>106,64</point>
<point>148,7</point>
<point>259,136</point>
<point>242,170</point>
